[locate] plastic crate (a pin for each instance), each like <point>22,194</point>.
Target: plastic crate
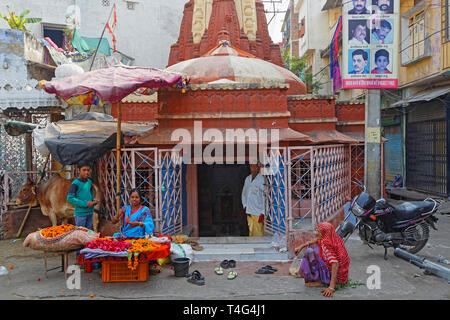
<point>118,271</point>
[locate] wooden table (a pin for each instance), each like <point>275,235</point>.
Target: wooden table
<point>64,260</point>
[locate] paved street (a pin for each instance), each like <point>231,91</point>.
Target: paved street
<point>399,279</point>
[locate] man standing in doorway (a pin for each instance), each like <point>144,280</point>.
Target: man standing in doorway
<point>253,201</point>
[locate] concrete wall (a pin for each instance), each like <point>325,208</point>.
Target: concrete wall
<point>145,33</point>
<point>12,58</point>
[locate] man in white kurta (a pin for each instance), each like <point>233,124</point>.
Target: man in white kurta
<point>253,201</point>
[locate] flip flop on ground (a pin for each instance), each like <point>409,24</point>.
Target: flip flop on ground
<point>232,275</point>
<point>264,271</point>
<point>218,270</point>
<point>270,268</point>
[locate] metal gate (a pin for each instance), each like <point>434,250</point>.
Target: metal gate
<point>170,194</point>
<point>276,186</point>
<point>426,156</point>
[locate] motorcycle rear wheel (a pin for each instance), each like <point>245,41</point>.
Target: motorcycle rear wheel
<point>423,232</point>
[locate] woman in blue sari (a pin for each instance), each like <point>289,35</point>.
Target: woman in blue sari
<point>137,219</point>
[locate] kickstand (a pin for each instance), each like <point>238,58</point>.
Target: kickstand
<point>385,253</point>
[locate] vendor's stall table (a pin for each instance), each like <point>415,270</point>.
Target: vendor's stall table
<point>115,269</point>
<point>64,261</point>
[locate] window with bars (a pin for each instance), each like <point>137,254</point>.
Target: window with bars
<point>106,3</point>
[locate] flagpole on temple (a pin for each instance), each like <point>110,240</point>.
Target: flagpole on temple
<point>101,37</point>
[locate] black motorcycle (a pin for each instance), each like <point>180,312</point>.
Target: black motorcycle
<point>405,226</point>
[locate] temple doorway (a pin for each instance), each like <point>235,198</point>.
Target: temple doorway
<point>219,200</point>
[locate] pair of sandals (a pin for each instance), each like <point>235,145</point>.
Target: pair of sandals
<point>196,278</point>
<point>226,264</point>
<point>266,270</point>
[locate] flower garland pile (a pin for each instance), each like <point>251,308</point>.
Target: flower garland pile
<point>107,244</point>
<point>56,231</point>
<point>139,246</point>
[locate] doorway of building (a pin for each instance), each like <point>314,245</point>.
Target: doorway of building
<point>219,200</point>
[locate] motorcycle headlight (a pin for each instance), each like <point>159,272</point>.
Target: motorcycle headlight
<point>357,210</point>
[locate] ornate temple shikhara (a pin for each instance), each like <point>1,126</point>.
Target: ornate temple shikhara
<point>238,81</point>
<point>244,20</point>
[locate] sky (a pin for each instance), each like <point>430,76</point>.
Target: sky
<point>277,21</point>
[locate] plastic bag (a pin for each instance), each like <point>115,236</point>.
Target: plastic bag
<point>295,266</point>
<point>3,271</point>
<point>181,251</point>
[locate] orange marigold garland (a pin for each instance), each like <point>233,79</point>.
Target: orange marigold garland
<point>139,246</point>
<point>55,231</point>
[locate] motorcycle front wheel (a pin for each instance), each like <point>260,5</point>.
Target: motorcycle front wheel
<point>416,237</point>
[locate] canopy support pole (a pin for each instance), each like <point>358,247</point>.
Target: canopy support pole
<point>118,162</point>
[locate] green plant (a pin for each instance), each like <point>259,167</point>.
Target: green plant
<point>18,22</point>
<point>298,67</point>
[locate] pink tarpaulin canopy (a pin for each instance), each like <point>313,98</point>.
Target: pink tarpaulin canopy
<point>114,83</point>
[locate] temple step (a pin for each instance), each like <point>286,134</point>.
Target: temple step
<point>239,249</point>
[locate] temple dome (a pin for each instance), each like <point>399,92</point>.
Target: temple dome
<point>227,62</point>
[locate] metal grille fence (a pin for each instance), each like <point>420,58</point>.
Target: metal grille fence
<point>331,181</point>
<point>157,174</point>
<point>137,172</point>
<point>357,167</point>
<point>305,183</point>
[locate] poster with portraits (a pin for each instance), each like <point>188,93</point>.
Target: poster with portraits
<point>370,31</point>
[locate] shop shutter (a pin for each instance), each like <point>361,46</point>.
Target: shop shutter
<point>426,148</point>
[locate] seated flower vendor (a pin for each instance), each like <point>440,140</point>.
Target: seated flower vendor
<point>137,219</point>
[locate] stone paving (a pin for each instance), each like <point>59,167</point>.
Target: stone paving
<point>399,279</point>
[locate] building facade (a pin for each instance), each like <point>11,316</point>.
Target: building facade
<point>415,117</point>
<point>145,29</point>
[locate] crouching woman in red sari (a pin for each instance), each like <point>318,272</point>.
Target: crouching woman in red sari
<point>332,253</point>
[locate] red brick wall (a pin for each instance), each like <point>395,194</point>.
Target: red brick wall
<point>348,113</point>
<point>141,112</point>
<point>312,109</point>
<point>216,102</point>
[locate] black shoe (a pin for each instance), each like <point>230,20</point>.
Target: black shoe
<point>231,263</point>
<point>225,264</point>
<point>270,268</point>
<point>197,278</point>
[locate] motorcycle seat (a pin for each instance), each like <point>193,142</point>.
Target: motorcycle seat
<point>413,209</point>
